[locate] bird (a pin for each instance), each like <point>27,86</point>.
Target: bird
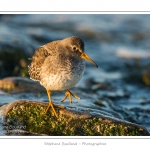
<point>59,65</point>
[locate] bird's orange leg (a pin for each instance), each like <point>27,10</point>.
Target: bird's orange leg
<point>69,95</point>
<point>50,104</point>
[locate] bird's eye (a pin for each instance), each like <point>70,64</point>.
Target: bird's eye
<point>74,48</point>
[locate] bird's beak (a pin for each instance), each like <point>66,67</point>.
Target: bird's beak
<point>86,57</point>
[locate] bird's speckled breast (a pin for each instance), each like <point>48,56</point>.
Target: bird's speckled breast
<point>62,75</point>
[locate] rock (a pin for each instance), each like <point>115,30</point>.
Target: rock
<point>146,76</point>
<point>30,116</point>
<point>19,84</point>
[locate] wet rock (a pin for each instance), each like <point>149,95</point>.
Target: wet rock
<point>30,115</point>
<point>19,84</point>
<point>146,76</point>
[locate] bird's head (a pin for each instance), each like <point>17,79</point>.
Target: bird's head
<point>75,46</point>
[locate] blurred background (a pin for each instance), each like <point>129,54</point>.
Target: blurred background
<point>118,43</point>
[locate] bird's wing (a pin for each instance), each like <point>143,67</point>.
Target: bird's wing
<point>38,59</point>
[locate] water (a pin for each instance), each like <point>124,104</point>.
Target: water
<point>119,44</point>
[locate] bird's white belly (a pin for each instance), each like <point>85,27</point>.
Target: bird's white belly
<point>61,81</point>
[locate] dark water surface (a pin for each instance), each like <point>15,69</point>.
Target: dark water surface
<point>119,44</point>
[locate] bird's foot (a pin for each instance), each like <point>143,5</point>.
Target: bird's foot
<point>53,109</point>
<point>69,95</point>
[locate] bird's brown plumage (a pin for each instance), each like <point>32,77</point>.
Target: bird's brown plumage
<point>39,57</point>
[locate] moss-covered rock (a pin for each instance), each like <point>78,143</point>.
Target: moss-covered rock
<point>30,115</point>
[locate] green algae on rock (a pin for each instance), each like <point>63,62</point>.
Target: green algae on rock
<point>31,115</point>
